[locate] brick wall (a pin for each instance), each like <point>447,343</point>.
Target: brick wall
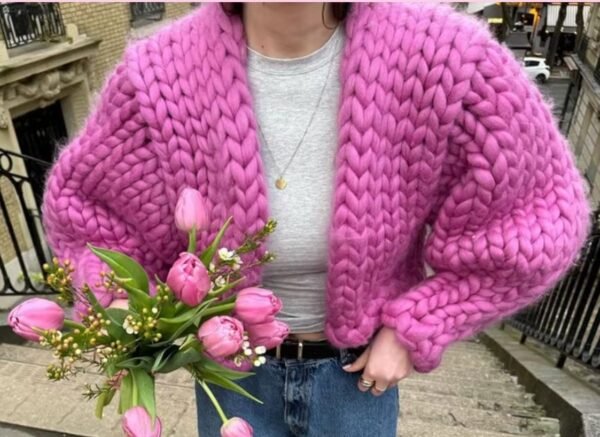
<point>111,23</point>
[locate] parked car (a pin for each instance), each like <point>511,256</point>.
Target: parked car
<point>536,68</point>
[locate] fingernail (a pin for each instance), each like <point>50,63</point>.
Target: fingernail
<point>347,366</point>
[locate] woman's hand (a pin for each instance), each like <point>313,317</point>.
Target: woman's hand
<point>384,362</point>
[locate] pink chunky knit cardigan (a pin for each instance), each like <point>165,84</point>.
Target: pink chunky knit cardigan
<point>438,125</point>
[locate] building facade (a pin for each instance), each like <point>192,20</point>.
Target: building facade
<point>54,58</point>
<point>583,100</point>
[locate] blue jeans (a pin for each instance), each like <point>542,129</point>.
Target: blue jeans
<point>304,398</point>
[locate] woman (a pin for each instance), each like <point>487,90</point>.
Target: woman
<point>374,122</point>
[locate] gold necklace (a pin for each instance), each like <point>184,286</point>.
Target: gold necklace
<point>281,183</point>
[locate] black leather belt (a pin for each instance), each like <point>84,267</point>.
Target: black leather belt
<point>299,349</point>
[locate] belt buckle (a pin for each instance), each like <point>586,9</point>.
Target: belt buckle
<point>300,349</point>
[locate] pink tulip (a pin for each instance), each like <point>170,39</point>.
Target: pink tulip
<point>189,280</point>
<point>269,335</point>
<point>122,304</point>
<point>256,305</point>
<point>236,427</point>
<point>190,211</point>
<point>245,365</point>
<point>138,423</point>
<point>37,313</point>
<point>221,336</point>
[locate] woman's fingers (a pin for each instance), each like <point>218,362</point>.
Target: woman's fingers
<point>364,383</point>
<point>359,363</point>
<point>379,388</point>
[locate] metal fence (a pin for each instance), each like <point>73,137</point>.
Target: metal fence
<point>568,318</point>
<point>24,250</point>
<point>24,23</point>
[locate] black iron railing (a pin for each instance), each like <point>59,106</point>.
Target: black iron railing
<point>24,250</point>
<point>146,11</point>
<point>24,23</point>
<point>568,318</point>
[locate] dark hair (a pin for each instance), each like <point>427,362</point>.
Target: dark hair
<point>339,10</point>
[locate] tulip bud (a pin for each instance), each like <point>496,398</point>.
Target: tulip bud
<point>269,335</point>
<point>256,305</point>
<point>190,211</point>
<point>244,364</point>
<point>37,313</point>
<point>189,280</point>
<point>236,427</point>
<point>138,423</point>
<point>221,336</point>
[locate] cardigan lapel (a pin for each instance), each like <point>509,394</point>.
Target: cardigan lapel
<point>233,134</point>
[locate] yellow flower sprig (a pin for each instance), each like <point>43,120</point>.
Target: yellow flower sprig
<point>59,278</point>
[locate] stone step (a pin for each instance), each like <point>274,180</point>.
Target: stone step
<point>518,409</point>
<point>468,382</point>
<point>409,427</point>
<point>449,373</point>
<point>453,415</point>
<point>59,407</point>
<point>507,396</point>
<point>469,357</point>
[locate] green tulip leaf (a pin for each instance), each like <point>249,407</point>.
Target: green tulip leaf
<point>126,389</point>
<point>221,381</point>
<point>144,385</point>
<point>104,399</point>
<point>124,266</point>
<point>214,367</point>
<point>208,254</point>
<point>162,358</point>
<point>181,358</point>
<point>144,363</point>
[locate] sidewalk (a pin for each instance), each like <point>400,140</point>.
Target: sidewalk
<point>561,72</point>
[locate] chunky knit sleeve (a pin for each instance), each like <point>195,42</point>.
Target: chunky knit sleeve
<point>513,214</point>
<point>84,187</point>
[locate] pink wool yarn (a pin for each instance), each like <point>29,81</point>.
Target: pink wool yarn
<point>438,126</point>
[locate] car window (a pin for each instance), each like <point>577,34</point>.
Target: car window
<point>532,63</point>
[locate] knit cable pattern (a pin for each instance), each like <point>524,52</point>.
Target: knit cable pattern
<point>438,126</point>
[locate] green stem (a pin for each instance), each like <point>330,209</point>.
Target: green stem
<point>218,309</point>
<point>73,325</point>
<point>192,241</point>
<point>214,401</point>
<point>134,392</point>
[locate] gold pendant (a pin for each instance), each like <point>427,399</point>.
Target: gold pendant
<point>281,183</point>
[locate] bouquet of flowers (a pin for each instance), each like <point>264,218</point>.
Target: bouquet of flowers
<point>196,320</point>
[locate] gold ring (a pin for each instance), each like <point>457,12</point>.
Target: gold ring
<point>366,383</point>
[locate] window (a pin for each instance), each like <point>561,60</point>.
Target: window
<point>142,13</point>
<point>532,63</point>
<point>24,23</point>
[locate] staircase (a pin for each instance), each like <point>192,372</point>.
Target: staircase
<point>470,395</point>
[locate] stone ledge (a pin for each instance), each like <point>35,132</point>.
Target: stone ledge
<point>574,403</point>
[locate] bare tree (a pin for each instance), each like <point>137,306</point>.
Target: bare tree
<point>551,55</point>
